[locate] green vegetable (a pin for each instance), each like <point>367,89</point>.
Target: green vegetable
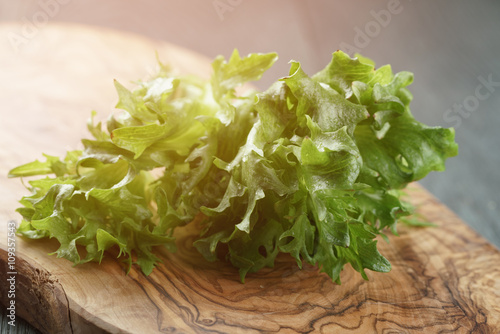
<point>312,167</point>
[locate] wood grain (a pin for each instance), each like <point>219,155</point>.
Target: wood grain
<point>444,279</point>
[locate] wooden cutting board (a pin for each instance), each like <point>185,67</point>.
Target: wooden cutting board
<point>444,279</point>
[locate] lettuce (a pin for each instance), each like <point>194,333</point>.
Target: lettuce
<point>312,167</point>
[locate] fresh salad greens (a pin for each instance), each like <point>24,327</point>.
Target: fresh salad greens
<point>312,167</point>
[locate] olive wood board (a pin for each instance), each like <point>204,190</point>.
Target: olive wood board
<point>444,279</point>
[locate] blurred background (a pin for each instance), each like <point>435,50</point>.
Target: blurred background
<point>452,47</point>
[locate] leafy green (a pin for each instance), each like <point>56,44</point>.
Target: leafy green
<point>312,167</point>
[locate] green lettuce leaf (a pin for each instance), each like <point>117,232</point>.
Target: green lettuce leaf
<point>311,167</point>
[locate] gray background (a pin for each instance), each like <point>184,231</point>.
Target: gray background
<point>451,46</point>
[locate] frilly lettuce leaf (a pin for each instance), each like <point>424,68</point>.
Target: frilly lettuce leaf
<point>311,167</point>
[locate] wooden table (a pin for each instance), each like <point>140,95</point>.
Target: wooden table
<point>444,279</point>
